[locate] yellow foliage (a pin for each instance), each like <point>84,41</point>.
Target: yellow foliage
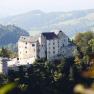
<point>79,89</point>
<point>6,88</point>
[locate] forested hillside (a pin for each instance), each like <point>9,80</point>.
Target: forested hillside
<point>10,34</point>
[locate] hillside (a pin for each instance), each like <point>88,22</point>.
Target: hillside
<point>10,34</point>
<point>37,21</point>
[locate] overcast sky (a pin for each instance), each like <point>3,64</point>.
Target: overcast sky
<point>12,7</point>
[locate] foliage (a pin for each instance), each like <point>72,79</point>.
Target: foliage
<point>7,53</point>
<point>43,77</point>
<point>91,44</point>
<point>8,87</point>
<point>85,46</point>
<point>82,40</point>
<point>4,53</point>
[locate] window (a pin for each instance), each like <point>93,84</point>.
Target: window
<point>53,52</point>
<point>33,45</point>
<point>26,43</point>
<point>26,51</point>
<point>53,47</point>
<point>58,43</point>
<point>53,43</point>
<point>25,47</point>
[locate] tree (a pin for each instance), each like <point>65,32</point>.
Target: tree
<point>4,53</point>
<point>91,43</point>
<point>82,39</point>
<point>7,53</point>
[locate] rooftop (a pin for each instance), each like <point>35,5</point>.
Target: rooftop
<point>49,35</point>
<point>28,39</point>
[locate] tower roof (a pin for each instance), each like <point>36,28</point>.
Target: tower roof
<point>49,35</point>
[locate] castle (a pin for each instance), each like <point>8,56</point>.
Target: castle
<point>47,45</point>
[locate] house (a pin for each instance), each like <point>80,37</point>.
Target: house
<point>47,45</point>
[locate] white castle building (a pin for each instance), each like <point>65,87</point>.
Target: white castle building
<point>46,45</point>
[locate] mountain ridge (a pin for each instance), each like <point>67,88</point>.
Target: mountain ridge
<point>38,21</point>
<point>10,34</point>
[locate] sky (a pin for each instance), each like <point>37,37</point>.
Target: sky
<point>14,7</point>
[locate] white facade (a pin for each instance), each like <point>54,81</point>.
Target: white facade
<point>52,48</point>
<point>27,49</point>
<point>47,45</point>
<point>63,43</point>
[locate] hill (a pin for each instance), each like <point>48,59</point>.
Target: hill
<point>37,21</point>
<point>10,34</point>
